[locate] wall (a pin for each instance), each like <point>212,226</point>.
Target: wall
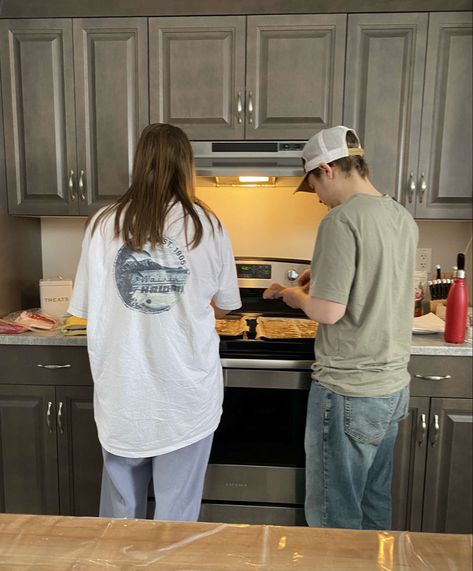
<point>261,222</point>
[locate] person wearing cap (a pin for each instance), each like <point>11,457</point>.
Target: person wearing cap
<point>359,289</point>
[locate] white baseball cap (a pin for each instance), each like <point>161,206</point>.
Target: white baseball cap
<point>324,147</point>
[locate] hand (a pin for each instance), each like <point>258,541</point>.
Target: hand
<point>304,280</point>
<point>274,291</point>
<point>294,296</point>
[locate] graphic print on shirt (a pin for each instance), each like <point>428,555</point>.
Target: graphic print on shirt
<point>151,281</point>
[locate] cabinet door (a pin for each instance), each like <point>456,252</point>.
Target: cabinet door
<point>80,454</point>
<point>448,493</point>
<point>409,467</point>
<point>383,96</point>
<point>111,82</point>
<point>445,166</point>
<point>197,75</point>
<point>38,103</point>
<point>28,453</point>
<point>295,67</point>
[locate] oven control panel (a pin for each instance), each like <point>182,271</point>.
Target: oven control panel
<point>254,271</point>
<point>259,273</point>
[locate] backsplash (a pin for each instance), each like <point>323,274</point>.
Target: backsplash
<point>261,222</point>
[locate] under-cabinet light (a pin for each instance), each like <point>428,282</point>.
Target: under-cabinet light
<point>253,178</point>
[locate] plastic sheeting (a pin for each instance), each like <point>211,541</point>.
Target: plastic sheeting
<point>78,543</point>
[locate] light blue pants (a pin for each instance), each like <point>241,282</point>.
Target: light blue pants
<point>178,482</point>
<point>349,444</point>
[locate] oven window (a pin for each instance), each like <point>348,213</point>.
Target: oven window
<point>262,427</point>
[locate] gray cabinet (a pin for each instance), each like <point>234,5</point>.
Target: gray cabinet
<point>432,470</point>
<point>28,457</point>
<point>75,100</point>
<point>409,467</point>
<point>50,456</point>
<point>448,490</point>
<point>39,116</point>
<point>260,77</point>
<point>408,94</point>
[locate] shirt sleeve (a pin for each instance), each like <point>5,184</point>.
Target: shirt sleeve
<point>334,262</point>
<point>228,293</point>
<point>78,304</point>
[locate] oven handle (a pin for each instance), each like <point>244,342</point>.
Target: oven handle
<point>279,365</point>
<point>260,379</point>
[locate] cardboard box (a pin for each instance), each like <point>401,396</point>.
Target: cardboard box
<point>55,295</point>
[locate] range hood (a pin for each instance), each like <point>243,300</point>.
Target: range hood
<point>256,158</point>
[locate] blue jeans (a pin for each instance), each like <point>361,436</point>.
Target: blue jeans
<point>349,444</point>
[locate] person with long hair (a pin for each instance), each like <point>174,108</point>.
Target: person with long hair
<point>156,268</point>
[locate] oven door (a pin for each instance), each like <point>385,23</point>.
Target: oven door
<point>256,468</point>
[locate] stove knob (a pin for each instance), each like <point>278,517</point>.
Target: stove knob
<point>292,275</point>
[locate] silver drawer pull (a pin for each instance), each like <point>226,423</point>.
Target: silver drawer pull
<point>48,416</point>
<point>239,108</point>
<point>250,108</point>
<point>67,366</point>
<point>435,430</point>
<point>81,185</point>
<point>423,428</point>
<point>59,418</point>
<point>433,377</point>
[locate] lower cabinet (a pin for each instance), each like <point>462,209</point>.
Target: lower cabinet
<point>432,469</point>
<point>50,458</point>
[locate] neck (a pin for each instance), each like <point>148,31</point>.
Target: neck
<point>354,184</point>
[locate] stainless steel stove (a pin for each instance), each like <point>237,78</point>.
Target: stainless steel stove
<point>256,468</point>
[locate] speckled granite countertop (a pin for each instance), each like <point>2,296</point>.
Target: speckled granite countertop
<point>421,344</point>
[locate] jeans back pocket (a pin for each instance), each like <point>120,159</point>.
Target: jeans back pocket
<point>368,418</point>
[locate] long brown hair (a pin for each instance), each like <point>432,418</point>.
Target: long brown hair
<point>163,175</point>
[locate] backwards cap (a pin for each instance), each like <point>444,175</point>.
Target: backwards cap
<point>326,146</point>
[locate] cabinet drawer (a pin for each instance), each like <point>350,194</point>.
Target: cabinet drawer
<point>44,365</point>
<point>428,370</point>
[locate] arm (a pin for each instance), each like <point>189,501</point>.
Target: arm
<point>219,313</point>
<point>319,310</point>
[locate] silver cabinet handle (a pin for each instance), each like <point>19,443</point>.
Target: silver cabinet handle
<point>423,428</point>
<point>423,186</point>
<point>435,430</point>
<point>433,377</point>
<point>72,194</point>
<point>411,188</point>
<point>250,108</point>
<point>67,366</point>
<point>81,185</point>
<point>59,418</point>
<point>48,416</point>
<point>239,108</point>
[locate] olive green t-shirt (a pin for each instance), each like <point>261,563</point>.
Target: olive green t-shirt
<point>364,258</point>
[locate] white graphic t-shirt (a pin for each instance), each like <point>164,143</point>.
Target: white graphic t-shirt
<point>153,348</point>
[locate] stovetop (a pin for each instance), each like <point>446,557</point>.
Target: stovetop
<point>254,275</point>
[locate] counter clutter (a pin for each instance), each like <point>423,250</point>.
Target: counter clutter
<point>429,344</point>
<point>59,542</point>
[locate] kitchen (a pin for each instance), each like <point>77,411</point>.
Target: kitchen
<point>281,224</point>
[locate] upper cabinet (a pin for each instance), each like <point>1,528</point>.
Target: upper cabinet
<point>408,94</point>
<point>75,98</point>
<point>261,77</point>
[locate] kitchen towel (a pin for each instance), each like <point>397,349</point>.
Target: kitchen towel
<point>74,326</point>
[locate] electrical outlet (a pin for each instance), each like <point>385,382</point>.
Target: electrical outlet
<point>424,260</point>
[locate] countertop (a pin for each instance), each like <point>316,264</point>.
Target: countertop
<point>61,542</point>
<point>421,344</point>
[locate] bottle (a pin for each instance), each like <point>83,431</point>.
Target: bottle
<point>457,306</point>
